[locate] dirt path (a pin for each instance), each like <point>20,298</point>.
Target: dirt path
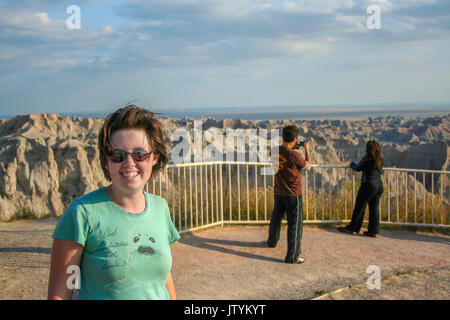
<point>419,285</point>
<point>233,263</point>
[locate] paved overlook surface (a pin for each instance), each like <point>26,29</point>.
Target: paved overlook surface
<point>233,263</point>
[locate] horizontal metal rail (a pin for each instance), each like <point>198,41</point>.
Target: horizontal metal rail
<point>206,194</point>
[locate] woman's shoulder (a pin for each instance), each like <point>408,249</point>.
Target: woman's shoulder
<point>158,205</point>
<point>155,199</point>
<point>94,198</point>
<point>365,158</point>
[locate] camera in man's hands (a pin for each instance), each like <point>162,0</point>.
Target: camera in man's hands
<point>301,143</point>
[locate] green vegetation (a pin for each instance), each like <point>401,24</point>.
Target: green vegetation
<point>320,293</point>
<point>26,214</point>
<point>202,203</point>
<point>327,203</point>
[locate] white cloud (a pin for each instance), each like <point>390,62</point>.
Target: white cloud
<point>295,47</point>
<point>414,61</point>
<point>352,23</point>
<point>260,73</point>
<point>43,17</point>
<point>209,77</point>
<point>251,38</point>
<point>108,30</point>
<point>314,7</point>
<point>168,32</point>
<point>54,63</point>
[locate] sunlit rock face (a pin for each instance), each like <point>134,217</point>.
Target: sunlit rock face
<point>47,160</point>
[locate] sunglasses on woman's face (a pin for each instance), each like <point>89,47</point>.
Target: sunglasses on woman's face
<point>118,156</point>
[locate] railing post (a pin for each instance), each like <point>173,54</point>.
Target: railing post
<point>173,196</point>
<point>415,197</point>
<point>221,194</point>
<point>201,195</point>
<point>196,197</point>
<point>216,166</point>
<point>229,188</point>
<point>185,198</point>
<point>190,193</point>
<point>307,199</point>
<point>424,197</point>
<point>406,196</point>
<point>256,191</point>
<point>389,197</point>
<point>345,194</point>
<point>265,197</point>
<point>397,192</point>
<point>321,191</point>
<point>239,192</point>
<point>448,200</point>
<point>248,194</point>
<point>314,195</point>
<point>339,195</point>
<point>213,188</point>
<point>329,194</point>
<point>432,198</point>
<point>206,194</point>
<point>179,198</point>
<point>440,200</point>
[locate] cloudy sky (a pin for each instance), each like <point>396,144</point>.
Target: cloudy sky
<point>170,54</point>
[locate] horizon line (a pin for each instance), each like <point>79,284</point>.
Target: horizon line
<point>221,112</point>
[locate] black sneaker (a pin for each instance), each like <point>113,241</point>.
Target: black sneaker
<point>298,261</point>
<point>270,245</point>
<point>345,230</point>
<point>370,234</point>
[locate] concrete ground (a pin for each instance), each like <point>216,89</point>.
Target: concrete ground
<point>233,263</point>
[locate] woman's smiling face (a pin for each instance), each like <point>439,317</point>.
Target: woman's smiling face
<point>130,176</point>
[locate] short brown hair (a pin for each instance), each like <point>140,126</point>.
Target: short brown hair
<point>132,117</point>
<point>289,133</point>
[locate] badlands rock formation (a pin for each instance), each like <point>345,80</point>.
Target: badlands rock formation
<point>46,160</point>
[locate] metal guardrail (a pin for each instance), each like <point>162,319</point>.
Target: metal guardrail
<point>206,194</point>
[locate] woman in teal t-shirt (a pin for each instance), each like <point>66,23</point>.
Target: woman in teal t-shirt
<point>117,238</point>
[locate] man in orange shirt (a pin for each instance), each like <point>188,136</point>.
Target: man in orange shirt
<point>288,194</point>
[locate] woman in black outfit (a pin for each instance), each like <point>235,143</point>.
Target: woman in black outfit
<point>369,192</point>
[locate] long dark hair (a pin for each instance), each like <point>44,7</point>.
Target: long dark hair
<point>374,153</point>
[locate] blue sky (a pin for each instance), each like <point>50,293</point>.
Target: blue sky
<point>170,54</point>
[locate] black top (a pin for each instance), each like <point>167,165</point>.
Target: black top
<point>369,171</point>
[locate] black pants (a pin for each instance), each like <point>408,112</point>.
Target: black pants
<point>369,193</point>
<point>293,207</point>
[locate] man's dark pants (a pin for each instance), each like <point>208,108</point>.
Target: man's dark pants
<point>293,208</point>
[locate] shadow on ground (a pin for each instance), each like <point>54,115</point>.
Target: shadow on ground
<point>214,244</point>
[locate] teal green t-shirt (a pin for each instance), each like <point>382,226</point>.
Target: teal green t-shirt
<point>126,255</point>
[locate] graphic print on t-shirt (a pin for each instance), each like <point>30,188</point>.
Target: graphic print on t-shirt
<point>282,161</point>
<point>142,254</point>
